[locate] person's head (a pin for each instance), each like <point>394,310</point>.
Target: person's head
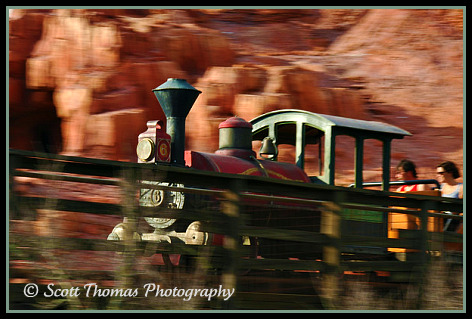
<point>406,170</point>
<point>447,171</point>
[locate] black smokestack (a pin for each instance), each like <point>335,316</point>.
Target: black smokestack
<point>176,97</point>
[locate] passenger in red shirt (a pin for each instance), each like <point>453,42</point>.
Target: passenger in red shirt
<point>406,171</point>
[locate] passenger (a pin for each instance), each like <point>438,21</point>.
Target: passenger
<point>406,171</point>
<point>447,173</point>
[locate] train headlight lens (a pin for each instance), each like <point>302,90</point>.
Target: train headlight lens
<point>145,149</point>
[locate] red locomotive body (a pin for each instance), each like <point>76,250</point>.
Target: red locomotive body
<point>237,165</point>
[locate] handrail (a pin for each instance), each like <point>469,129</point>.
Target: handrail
<point>409,182</point>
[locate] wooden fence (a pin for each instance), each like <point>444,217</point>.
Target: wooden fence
<point>279,244</point>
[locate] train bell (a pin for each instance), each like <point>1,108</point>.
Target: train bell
<point>268,149</point>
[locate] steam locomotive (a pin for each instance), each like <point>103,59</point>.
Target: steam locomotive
<point>236,156</point>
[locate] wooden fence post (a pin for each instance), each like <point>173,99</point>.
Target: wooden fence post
<point>231,242</point>
<point>330,226</point>
<point>423,250</point>
<point>127,271</point>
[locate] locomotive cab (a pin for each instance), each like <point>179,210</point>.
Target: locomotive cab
<point>301,128</point>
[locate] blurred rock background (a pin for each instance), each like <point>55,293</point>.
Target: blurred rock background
<point>81,80</point>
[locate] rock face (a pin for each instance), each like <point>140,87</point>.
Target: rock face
<point>81,80</point>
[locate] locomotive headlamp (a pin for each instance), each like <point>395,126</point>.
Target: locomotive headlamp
<point>154,144</point>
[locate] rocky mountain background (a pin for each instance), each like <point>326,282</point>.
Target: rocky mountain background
<point>80,80</point>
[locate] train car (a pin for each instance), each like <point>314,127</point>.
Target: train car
<point>237,137</point>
